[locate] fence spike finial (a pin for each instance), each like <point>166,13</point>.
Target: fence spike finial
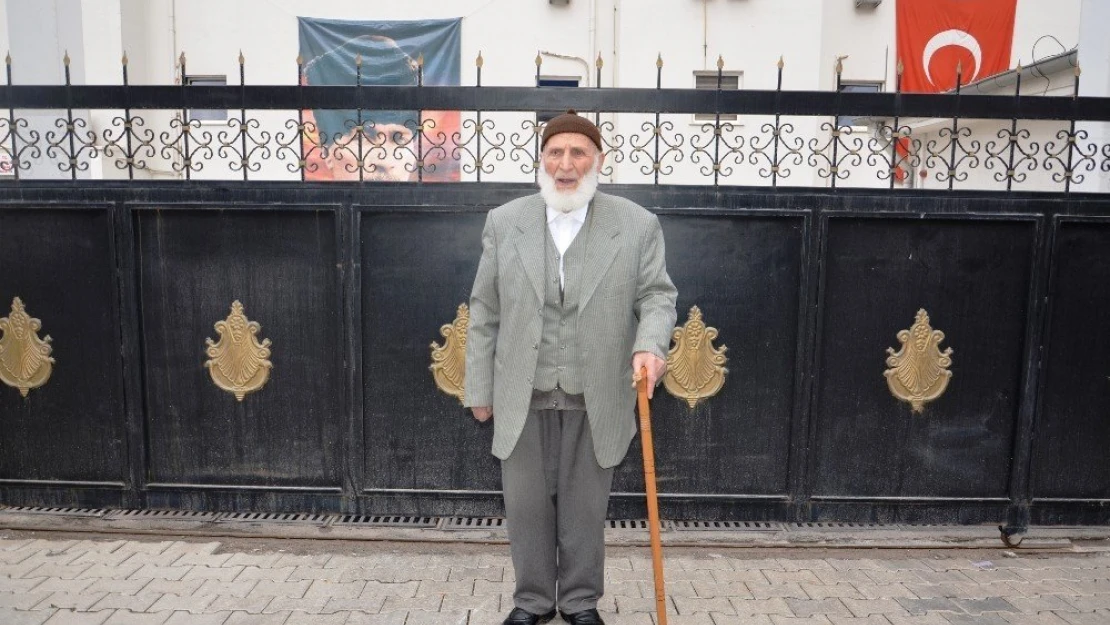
<point>358,60</point>
<point>479,62</point>
<point>840,63</point>
<point>599,63</point>
<point>242,59</point>
<point>720,61</point>
<point>1077,70</point>
<point>901,66</point>
<point>65,59</point>
<point>181,59</point>
<point>659,61</point>
<point>300,60</point>
<point>539,59</point>
<point>960,67</point>
<point>124,59</point>
<point>8,59</point>
<point>780,64</point>
<point>420,60</point>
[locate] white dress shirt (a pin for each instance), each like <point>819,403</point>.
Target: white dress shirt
<point>564,227</point>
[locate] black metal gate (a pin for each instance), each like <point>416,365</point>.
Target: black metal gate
<point>807,285</point>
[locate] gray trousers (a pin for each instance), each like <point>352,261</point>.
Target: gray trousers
<point>556,497</point>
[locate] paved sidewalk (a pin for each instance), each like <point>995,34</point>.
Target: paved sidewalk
<point>112,580</point>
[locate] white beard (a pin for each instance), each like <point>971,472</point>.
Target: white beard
<point>569,201</point>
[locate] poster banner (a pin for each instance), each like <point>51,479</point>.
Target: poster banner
<point>390,146</point>
<point>934,36</point>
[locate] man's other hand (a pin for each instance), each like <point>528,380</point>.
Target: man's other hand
<point>482,413</point>
<point>656,367</point>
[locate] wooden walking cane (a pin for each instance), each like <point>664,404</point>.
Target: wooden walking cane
<point>652,497</point>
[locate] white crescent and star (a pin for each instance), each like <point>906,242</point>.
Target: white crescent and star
<point>952,37</point>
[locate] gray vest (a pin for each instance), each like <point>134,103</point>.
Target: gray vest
<point>558,363</point>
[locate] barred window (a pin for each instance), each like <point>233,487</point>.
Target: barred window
<point>730,81</point>
<point>207,115</point>
<point>860,86</point>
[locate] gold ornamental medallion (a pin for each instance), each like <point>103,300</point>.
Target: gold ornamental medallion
<point>919,370</point>
<point>238,362</point>
<point>25,361</point>
<point>449,360</point>
<point>695,369</point>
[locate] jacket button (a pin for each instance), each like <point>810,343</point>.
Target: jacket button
<point>535,345</point>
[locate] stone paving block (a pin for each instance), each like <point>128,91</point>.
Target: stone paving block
<point>928,619</point>
<point>313,561</point>
<point>672,589</point>
<point>831,591</point>
<point>980,606</point>
<point>691,605</point>
<point>336,590</point>
<point>491,574</point>
<point>127,617</point>
<point>1102,617</point>
<point>11,616</point>
<point>22,600</point>
<point>1096,587</point>
<point>429,588</point>
<point>451,603</point>
<point>19,584</point>
<point>1041,604</point>
<point>11,544</point>
<point>784,577</point>
<point>1044,575</point>
<point>131,603</point>
<point>924,606</point>
<point>187,603</point>
<point>213,560</point>
<point>314,573</point>
<point>982,619</point>
<point>1101,572</point>
<point>110,571</point>
<point>814,607</point>
<point>728,577</point>
<point>771,591</point>
<point>388,589</point>
<point>338,618</point>
<point>267,588</point>
<point>616,564</point>
<point>990,576</point>
<point>866,607</point>
<point>763,564</point>
<point>802,564</point>
<point>233,589</point>
<point>371,605</point>
<point>383,618</point>
<point>184,618</point>
<point>639,575</point>
<point>948,564</point>
<point>1089,604</point>
<point>746,619</point>
<point>47,556</point>
<point>943,577</point>
<point>70,617</point>
<point>887,576</point>
<point>60,571</point>
<point>454,617</point>
<point>852,564</point>
<point>411,604</point>
<point>64,585</point>
<point>141,546</point>
<point>908,564</point>
<point>170,587</point>
<point>150,571</point>
<point>874,619</point>
<point>1039,618</point>
<point>761,606</point>
<point>626,589</point>
<point>273,575</point>
<point>642,604</point>
<point>798,620</point>
<point>258,560</point>
<point>315,605</point>
<point>242,618</point>
<point>715,562</point>
<point>933,591</point>
<point>228,603</point>
<point>117,586</point>
<point>224,574</point>
<point>70,600</point>
<point>1048,587</point>
<point>700,618</point>
<point>844,577</point>
<point>18,570</point>
<point>701,589</point>
<point>14,557</point>
<point>115,558</point>
<point>631,618</point>
<point>485,587</point>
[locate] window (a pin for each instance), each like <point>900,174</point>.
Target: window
<point>856,87</point>
<point>207,115</point>
<point>542,117</point>
<point>730,81</point>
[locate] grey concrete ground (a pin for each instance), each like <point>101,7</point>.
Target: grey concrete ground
<point>90,579</point>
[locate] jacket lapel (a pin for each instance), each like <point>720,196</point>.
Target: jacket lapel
<point>601,249</point>
<point>530,243</point>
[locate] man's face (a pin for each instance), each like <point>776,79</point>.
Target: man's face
<point>568,157</point>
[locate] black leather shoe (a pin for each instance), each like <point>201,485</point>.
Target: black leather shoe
<point>585,617</point>
<point>520,616</point>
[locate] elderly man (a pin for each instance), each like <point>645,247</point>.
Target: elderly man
<point>571,300</point>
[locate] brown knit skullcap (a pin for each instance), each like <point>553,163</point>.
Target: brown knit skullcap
<point>571,122</point>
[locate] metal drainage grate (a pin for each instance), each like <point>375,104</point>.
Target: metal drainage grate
<point>164,515</point>
<point>840,526</point>
<point>274,517</point>
<point>632,524</point>
<point>726,526</point>
<point>82,512</point>
<point>471,523</point>
<point>380,520</point>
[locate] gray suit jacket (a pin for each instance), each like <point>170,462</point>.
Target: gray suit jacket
<point>626,304</point>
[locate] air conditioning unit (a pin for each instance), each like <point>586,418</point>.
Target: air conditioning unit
<point>868,4</point>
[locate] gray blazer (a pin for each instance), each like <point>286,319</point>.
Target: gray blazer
<point>626,304</point>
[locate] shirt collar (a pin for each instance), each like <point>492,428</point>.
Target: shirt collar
<point>578,214</point>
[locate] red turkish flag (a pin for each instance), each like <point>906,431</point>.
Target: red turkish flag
<point>936,35</point>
